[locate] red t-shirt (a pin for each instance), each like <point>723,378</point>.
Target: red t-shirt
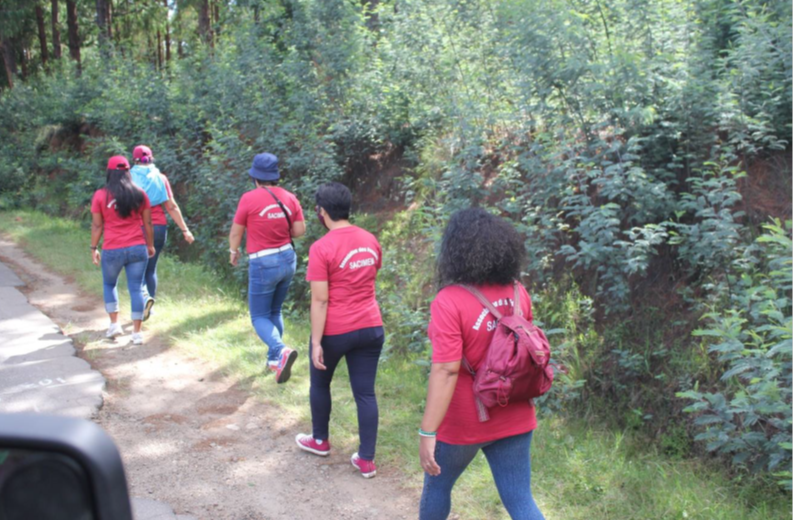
<point>262,216</point>
<point>460,324</point>
<point>119,232</point>
<point>348,259</point>
<point>158,211</point>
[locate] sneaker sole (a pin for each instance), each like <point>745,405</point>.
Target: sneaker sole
<point>147,309</point>
<point>311,450</point>
<point>286,373</point>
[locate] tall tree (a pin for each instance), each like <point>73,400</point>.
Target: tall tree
<point>102,17</point>
<point>42,34</point>
<point>167,32</point>
<point>205,22</point>
<point>74,31</point>
<point>56,32</point>
<point>9,61</point>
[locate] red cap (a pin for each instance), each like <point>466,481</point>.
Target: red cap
<point>118,162</point>
<point>141,152</point>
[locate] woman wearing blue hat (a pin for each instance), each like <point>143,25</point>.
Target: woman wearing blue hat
<point>271,216</point>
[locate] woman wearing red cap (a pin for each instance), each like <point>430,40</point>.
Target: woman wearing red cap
<point>122,213</point>
<point>271,217</point>
<point>148,177</point>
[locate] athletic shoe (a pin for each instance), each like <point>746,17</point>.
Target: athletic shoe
<point>311,445</point>
<point>147,308</point>
<point>284,372</point>
<point>366,467</point>
<point>272,366</point>
<point>114,330</point>
<point>137,338</point>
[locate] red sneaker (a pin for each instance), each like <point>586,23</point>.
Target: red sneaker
<point>366,467</point>
<point>284,371</point>
<point>311,445</point>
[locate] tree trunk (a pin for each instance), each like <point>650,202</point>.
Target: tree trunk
<point>372,18</point>
<point>216,21</point>
<point>109,20</point>
<point>56,32</point>
<point>7,53</point>
<point>159,50</point>
<point>23,63</point>
<point>101,21</point>
<point>167,33</point>
<point>204,22</point>
<point>42,34</point>
<point>74,32</point>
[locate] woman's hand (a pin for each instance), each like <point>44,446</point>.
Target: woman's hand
<point>317,356</point>
<point>151,251</point>
<point>427,456</point>
<point>188,236</point>
<point>96,256</point>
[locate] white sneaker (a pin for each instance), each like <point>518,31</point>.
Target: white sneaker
<point>137,338</point>
<point>114,330</point>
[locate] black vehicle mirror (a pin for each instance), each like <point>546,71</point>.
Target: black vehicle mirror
<point>59,468</point>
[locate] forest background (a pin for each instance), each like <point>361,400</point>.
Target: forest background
<point>641,147</point>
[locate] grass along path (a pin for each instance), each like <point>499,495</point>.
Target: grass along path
<point>581,471</point>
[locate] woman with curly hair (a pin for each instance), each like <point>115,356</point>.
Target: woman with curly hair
<point>484,251</point>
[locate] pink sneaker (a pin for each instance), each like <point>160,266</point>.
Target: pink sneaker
<point>311,445</point>
<point>366,467</point>
<point>284,371</point>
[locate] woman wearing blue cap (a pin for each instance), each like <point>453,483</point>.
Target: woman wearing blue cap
<point>272,216</point>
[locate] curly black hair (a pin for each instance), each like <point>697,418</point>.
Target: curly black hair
<point>479,249</point>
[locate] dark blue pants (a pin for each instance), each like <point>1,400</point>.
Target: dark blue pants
<point>150,280</point>
<point>362,349</point>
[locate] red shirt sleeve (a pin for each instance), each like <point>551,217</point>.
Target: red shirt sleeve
<point>445,331</point>
<point>241,216</point>
<point>525,303</point>
<point>317,270</point>
<point>96,202</point>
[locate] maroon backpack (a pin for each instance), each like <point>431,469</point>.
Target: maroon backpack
<point>516,365</point>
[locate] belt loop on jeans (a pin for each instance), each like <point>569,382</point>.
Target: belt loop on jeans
<point>268,252</point>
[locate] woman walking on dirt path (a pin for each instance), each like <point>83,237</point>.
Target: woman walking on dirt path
<point>122,213</point>
<point>483,251</point>
<point>144,166</point>
<point>345,323</point>
<point>272,216</point>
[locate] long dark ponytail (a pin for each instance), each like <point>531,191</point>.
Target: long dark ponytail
<point>128,196</point>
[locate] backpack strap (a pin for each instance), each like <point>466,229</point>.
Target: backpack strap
<point>484,301</point>
<point>286,214</point>
<point>517,309</point>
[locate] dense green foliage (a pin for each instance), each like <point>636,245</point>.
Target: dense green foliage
<point>621,137</point>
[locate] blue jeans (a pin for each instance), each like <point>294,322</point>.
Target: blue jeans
<point>268,280</point>
<point>133,259</point>
<point>361,348</point>
<point>150,279</point>
<point>510,463</point>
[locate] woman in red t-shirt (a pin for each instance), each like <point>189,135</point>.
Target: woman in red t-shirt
<point>484,251</point>
<point>345,323</point>
<point>122,213</point>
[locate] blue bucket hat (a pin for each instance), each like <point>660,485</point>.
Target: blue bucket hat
<point>265,167</point>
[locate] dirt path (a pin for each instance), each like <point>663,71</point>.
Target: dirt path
<point>192,438</point>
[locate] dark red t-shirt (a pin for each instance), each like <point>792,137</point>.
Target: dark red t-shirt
<point>460,324</point>
<point>265,222</point>
<point>348,259</point>
<point>158,211</point>
<point>119,232</point>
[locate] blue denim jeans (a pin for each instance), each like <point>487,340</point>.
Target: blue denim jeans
<point>133,259</point>
<point>150,279</point>
<point>268,280</point>
<point>510,462</point>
